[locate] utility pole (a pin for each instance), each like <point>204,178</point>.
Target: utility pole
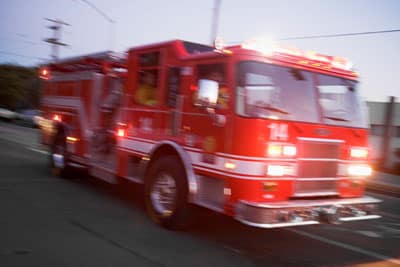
<point>214,24</point>
<point>55,40</point>
<point>387,158</point>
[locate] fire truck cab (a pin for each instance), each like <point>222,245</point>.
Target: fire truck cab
<point>272,136</point>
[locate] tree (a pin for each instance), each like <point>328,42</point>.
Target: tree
<point>19,86</point>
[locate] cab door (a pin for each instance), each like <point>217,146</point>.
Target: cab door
<point>202,125</point>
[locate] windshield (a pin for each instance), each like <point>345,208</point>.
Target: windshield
<point>339,102</point>
<point>277,92</point>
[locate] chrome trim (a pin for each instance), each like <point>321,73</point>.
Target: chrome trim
<point>315,194</point>
<point>313,203</point>
<point>366,217</point>
<point>305,212</point>
<point>276,225</point>
<point>319,159</point>
<point>317,179</point>
<point>320,140</point>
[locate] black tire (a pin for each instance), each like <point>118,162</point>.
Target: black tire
<point>177,217</point>
<point>59,147</point>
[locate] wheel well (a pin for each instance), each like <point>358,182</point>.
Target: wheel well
<point>162,151</point>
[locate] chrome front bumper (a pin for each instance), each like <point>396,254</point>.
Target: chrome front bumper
<point>306,212</point>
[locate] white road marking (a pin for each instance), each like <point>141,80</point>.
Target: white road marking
<point>38,150</point>
<point>369,234</point>
<point>347,246</point>
<point>391,230</point>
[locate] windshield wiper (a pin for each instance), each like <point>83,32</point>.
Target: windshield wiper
<point>276,109</point>
<point>336,118</point>
<point>272,108</point>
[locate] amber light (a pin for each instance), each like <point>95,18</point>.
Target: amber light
<point>230,165</point>
<point>72,139</point>
<point>281,150</point>
<point>274,150</point>
<point>56,117</point>
<point>121,132</point>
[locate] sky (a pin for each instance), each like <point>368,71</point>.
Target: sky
<point>132,22</point>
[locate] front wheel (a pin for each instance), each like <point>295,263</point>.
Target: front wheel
<point>166,195</point>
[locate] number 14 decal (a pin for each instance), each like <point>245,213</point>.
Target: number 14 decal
<point>278,131</point>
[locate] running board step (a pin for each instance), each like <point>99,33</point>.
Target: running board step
<point>103,174</point>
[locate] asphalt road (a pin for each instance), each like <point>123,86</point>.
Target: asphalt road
<point>49,221</point>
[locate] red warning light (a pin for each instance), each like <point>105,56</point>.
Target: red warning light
<point>44,73</point>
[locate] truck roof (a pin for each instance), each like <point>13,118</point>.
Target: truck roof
<point>91,61</point>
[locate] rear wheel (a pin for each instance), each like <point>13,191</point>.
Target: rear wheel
<point>59,156</point>
<point>167,193</point>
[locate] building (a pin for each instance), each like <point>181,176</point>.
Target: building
<point>384,135</point>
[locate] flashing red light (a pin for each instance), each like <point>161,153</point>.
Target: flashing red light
<point>121,132</point>
<point>193,87</point>
<point>44,74</point>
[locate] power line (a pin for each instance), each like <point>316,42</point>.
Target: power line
<point>110,21</point>
<point>339,35</point>
<point>98,10</point>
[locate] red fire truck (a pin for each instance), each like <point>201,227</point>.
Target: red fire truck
<point>270,135</point>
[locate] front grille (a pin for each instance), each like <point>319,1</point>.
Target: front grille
<point>321,150</point>
<point>315,187</point>
<point>317,165</point>
<point>317,169</point>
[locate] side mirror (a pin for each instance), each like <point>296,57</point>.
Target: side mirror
<point>207,98</point>
<point>207,94</point>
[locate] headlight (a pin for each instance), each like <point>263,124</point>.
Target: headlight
<point>359,170</point>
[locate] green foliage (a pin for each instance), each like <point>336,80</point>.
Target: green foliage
<point>19,86</point>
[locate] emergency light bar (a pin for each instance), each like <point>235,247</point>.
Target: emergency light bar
<point>271,48</point>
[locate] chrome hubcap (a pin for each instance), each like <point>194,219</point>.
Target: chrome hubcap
<point>163,193</point>
<point>58,157</point>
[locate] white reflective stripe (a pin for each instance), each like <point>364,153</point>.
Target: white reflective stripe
<point>213,171</point>
<point>68,102</point>
<point>242,167</point>
<point>322,140</point>
<point>239,157</point>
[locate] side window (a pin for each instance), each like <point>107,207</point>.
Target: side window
<point>215,72</point>
<point>148,75</point>
<point>146,90</point>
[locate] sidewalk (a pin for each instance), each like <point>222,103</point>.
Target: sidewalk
<point>385,183</point>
